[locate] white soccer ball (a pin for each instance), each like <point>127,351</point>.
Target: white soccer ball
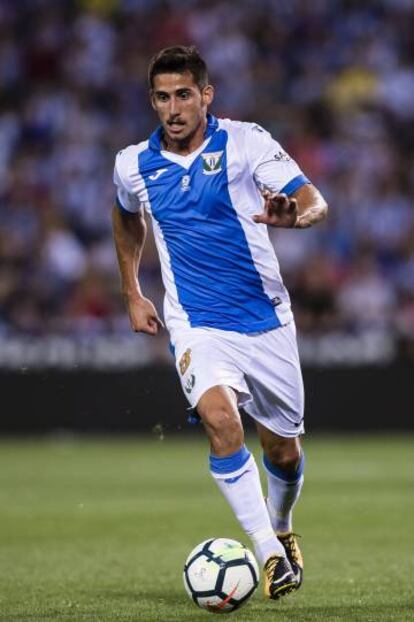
<point>220,575</point>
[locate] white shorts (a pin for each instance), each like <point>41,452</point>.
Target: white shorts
<point>263,368</point>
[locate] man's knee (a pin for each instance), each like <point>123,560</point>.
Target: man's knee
<point>218,411</point>
<point>225,430</point>
<point>284,453</point>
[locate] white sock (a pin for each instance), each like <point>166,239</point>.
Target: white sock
<point>283,492</point>
<point>237,476</point>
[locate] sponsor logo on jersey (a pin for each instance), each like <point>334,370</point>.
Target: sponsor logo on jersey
<point>282,156</point>
<point>157,173</point>
<point>212,162</point>
<point>189,383</point>
<point>185,361</point>
<point>185,183</point>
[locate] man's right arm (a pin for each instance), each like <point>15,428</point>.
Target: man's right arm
<point>129,231</point>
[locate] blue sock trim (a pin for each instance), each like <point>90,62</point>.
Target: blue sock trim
<point>286,476</point>
<point>229,464</point>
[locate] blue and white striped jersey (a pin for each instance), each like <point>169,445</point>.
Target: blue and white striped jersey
<point>218,266</point>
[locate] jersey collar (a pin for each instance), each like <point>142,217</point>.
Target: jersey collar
<point>155,138</point>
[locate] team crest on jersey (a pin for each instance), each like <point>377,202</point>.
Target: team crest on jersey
<point>185,360</point>
<point>212,162</point>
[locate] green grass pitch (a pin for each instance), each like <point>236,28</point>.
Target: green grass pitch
<point>98,530</point>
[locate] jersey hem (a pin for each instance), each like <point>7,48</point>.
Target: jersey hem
<point>253,327</point>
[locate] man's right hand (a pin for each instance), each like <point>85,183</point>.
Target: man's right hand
<point>143,315</point>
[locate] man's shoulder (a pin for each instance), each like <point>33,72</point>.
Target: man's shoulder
<point>244,128</point>
<point>125,155</point>
<point>126,161</point>
<point>247,138</point>
<point>246,135</point>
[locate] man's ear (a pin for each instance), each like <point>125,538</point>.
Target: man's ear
<point>152,99</point>
<point>207,94</point>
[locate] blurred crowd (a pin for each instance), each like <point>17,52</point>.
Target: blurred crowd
<point>333,80</point>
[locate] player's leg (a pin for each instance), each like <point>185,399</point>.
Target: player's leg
<point>284,464</point>
<point>275,382</point>
<point>235,471</point>
<point>209,363</point>
<point>234,468</point>
<point>283,460</point>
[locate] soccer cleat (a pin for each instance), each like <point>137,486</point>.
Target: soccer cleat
<point>294,555</point>
<point>279,578</point>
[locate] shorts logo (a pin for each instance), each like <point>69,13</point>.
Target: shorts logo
<point>189,383</point>
<point>185,360</point>
<point>212,162</point>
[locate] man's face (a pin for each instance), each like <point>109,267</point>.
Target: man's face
<point>180,104</point>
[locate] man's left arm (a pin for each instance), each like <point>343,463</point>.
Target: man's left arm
<point>303,208</point>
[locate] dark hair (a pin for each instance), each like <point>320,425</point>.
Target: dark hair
<point>179,59</point>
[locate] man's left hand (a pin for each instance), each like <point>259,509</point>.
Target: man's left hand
<point>279,210</point>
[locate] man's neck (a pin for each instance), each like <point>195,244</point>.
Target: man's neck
<point>189,144</point>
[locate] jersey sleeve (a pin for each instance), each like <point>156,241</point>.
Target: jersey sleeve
<point>272,168</point>
<point>126,199</point>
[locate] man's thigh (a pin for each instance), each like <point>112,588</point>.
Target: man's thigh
<point>207,358</point>
<point>274,379</point>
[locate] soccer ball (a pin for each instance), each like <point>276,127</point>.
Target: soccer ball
<point>220,575</point>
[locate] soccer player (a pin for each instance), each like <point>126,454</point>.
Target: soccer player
<point>212,187</point>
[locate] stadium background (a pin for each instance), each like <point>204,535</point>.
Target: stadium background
<point>95,527</point>
<point>332,80</point>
